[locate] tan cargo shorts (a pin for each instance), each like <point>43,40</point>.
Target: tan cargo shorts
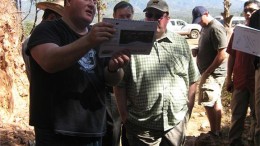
<point>210,91</point>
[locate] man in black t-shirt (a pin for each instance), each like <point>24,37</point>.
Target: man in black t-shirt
<point>67,101</point>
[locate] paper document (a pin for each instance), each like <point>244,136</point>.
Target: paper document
<point>136,36</point>
<point>247,39</point>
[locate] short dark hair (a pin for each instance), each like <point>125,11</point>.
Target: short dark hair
<point>47,12</point>
<point>255,20</point>
<point>123,4</point>
<point>252,2</point>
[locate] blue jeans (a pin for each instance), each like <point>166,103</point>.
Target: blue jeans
<point>46,137</point>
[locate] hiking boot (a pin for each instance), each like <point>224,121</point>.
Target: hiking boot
<point>217,135</point>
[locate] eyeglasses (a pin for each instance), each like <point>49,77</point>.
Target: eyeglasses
<point>250,10</point>
<point>154,15</point>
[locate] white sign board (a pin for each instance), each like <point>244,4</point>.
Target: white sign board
<point>247,39</point>
<point>136,36</point>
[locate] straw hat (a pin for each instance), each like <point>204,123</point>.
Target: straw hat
<point>55,5</point>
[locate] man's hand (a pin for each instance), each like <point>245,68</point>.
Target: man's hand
<point>229,85</point>
<point>195,51</point>
<point>99,33</point>
<point>119,60</point>
<point>203,79</point>
<point>114,72</point>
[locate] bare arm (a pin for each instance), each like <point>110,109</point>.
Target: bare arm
<point>230,66</point>
<point>53,58</point>
<point>221,56</point>
<point>191,96</point>
<point>120,94</point>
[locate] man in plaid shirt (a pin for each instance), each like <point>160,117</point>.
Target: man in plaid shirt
<point>157,92</point>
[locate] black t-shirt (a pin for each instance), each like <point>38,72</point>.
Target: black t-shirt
<point>70,101</point>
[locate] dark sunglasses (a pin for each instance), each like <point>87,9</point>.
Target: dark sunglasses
<point>154,15</point>
<point>250,10</point>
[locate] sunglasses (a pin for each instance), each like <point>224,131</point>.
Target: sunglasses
<point>250,10</point>
<point>154,15</point>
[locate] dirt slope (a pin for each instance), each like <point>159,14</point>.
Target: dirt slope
<point>13,81</point>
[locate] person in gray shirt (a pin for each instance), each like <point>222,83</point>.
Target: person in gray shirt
<point>212,61</point>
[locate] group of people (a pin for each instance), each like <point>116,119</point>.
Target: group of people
<point>240,81</point>
<point>80,99</point>
<point>238,70</point>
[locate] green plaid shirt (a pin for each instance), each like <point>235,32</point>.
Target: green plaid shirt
<point>157,84</point>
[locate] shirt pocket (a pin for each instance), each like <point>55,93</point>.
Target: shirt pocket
<point>178,65</point>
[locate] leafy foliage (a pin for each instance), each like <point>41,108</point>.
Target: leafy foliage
<point>27,27</point>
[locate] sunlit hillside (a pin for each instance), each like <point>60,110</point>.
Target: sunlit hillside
<point>178,8</point>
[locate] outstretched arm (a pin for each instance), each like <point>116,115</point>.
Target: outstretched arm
<point>53,58</point>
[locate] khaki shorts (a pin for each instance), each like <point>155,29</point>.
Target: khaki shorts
<point>140,136</point>
<point>211,91</point>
